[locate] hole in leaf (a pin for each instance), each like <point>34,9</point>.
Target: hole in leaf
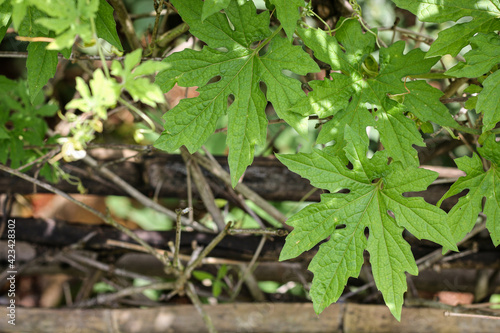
<point>447,203</point>
<point>288,73</point>
<point>263,87</point>
<point>230,100</point>
<point>340,226</point>
<point>222,49</point>
<point>254,45</point>
<point>374,138</point>
<point>229,22</point>
<point>306,87</point>
<point>391,213</point>
<point>214,79</point>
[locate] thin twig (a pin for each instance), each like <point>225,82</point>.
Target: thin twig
<point>182,257</point>
<point>436,255</point>
<point>106,219</point>
<point>47,156</point>
<point>176,264</point>
<point>125,158</point>
<point>191,292</point>
<point>189,269</point>
<point>248,269</point>
<point>107,268</point>
<point>48,254</point>
<point>269,232</point>
<point>241,188</point>
<point>189,192</point>
<point>203,188</point>
<point>144,200</point>
<point>158,7</point>
<point>454,99</point>
<point>106,298</point>
<point>408,32</point>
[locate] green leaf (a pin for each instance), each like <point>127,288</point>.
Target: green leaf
<point>18,12</point>
<point>103,96</point>
<point>374,201</point>
<point>364,85</point>
<point>41,65</point>
<point>231,68</point>
<point>29,27</point>
<point>484,55</point>
<point>149,67</point>
<point>25,123</point>
<point>481,184</point>
<point>67,20</point>
<point>5,19</point>
<point>140,88</point>
<point>398,133</point>
<point>487,101</point>
<point>47,110</point>
<point>211,7</point>
<point>485,15</point>
<point>202,275</point>
<point>327,49</point>
<point>106,25</point>
<point>423,101</point>
<point>288,13</point>
<point>454,39</point>
<point>327,96</point>
<point>448,10</point>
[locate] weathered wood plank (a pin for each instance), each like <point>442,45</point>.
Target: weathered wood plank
<point>244,317</point>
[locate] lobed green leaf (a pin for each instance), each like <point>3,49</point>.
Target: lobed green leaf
<point>359,86</point>
<point>481,184</point>
<point>487,101</point>
<point>288,14</point>
<point>229,70</point>
<point>375,201</point>
<point>484,13</point>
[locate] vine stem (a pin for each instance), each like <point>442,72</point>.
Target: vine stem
<point>99,47</point>
<point>126,23</point>
<point>268,39</point>
<point>407,31</point>
<point>139,112</point>
<point>158,8</point>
